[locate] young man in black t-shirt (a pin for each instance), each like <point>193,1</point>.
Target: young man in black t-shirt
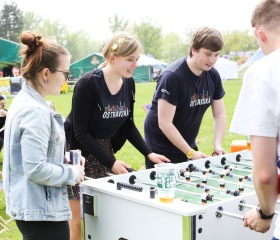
<point>185,89</point>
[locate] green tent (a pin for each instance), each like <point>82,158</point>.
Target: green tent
<point>145,68</point>
<point>143,72</point>
<point>86,64</point>
<point>9,53</point>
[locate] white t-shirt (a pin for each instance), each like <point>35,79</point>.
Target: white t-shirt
<point>258,108</point>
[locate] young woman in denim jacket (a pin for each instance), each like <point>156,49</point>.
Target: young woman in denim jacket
<point>34,173</point>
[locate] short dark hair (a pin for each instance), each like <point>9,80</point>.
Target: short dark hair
<point>206,37</point>
<point>267,14</point>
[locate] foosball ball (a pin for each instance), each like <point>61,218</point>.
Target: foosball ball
<point>210,201</point>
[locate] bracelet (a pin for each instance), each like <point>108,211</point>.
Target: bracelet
<point>190,153</point>
<point>262,215</point>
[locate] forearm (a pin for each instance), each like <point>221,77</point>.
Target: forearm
<point>265,175</point>
<point>136,139</point>
<point>91,145</point>
<point>219,129</point>
<point>174,136</point>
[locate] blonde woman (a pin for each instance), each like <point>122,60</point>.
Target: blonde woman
<point>102,117</point>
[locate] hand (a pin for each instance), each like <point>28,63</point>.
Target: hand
<point>82,161</point>
<point>3,113</point>
<point>157,158</point>
<point>120,167</point>
<point>218,150</point>
<point>81,171</point>
<point>254,222</point>
<point>198,155</point>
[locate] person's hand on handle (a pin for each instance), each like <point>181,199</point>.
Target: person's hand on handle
<point>120,167</point>
<point>218,150</point>
<point>157,158</point>
<point>198,155</point>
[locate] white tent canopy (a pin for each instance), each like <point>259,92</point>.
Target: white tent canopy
<point>255,57</point>
<point>150,61</point>
<point>227,69</point>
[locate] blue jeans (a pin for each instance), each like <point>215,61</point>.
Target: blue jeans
<point>274,238</point>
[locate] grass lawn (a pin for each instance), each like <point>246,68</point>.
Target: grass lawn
<point>144,93</point>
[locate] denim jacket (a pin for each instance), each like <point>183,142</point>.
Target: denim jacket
<point>35,177</point>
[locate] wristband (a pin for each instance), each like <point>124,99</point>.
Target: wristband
<point>263,216</point>
<point>190,153</point>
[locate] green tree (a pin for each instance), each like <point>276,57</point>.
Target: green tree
<point>239,41</point>
<point>117,24</point>
<point>53,29</point>
<point>31,21</point>
<point>80,45</point>
<point>11,22</point>
<point>174,47</point>
<point>150,36</point>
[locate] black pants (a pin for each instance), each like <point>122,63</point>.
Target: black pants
<point>44,230</point>
<point>1,143</point>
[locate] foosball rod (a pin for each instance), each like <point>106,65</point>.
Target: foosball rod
<point>220,212</point>
<point>233,167</point>
<point>203,186</point>
<point>242,164</point>
<point>234,183</point>
<point>196,194</point>
<point>227,173</point>
<point>213,179</point>
<point>208,163</point>
<point>231,175</point>
<point>252,206</point>
<point>145,182</point>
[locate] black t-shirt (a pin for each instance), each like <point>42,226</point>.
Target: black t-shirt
<point>113,109</point>
<point>97,114</point>
<point>2,123</point>
<point>191,95</point>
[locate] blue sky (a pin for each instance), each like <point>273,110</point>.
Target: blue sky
<point>173,16</point>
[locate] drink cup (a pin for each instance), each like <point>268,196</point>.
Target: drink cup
<point>166,181</point>
<point>248,143</point>
<point>75,156</point>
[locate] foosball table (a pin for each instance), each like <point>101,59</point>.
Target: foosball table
<point>211,198</point>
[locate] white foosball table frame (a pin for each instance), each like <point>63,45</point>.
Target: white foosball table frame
<point>112,214</point>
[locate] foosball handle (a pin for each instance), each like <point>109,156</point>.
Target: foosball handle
<point>121,185</point>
